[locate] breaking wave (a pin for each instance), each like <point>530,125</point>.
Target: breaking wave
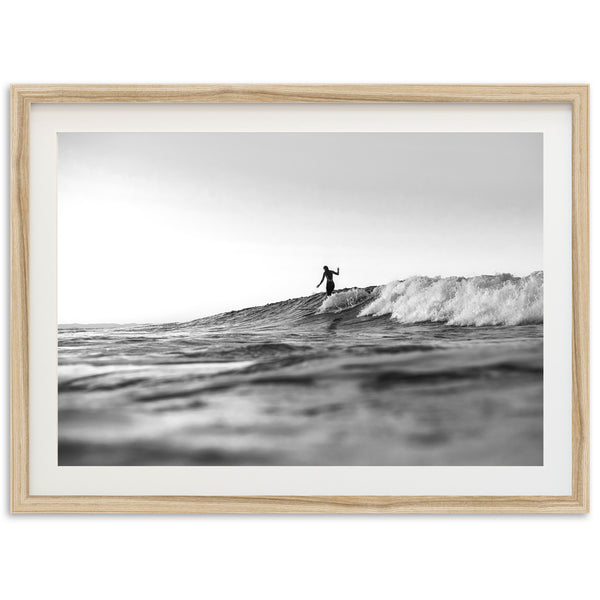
<point>484,300</point>
<point>344,300</point>
<point>466,301</point>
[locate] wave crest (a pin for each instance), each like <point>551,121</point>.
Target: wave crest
<point>467,301</point>
<point>344,300</point>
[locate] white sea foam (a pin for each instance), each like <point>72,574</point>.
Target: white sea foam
<point>344,300</point>
<point>482,300</point>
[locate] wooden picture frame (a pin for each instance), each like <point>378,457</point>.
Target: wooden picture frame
<point>23,96</point>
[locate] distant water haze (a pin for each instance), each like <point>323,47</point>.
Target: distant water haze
<point>157,227</point>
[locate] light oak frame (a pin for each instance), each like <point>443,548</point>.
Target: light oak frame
<point>22,96</point>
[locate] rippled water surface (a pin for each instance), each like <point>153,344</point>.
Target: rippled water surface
<point>301,383</point>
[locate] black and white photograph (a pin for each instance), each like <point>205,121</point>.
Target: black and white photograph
<point>300,299</point>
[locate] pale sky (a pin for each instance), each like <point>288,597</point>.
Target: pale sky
<point>157,227</point>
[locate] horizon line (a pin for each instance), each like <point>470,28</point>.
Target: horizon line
<point>225,312</point>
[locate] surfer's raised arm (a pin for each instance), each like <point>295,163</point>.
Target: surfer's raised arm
<point>337,272</point>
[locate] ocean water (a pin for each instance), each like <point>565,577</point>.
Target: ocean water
<point>425,371</point>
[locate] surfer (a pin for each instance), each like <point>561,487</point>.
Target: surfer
<point>327,273</point>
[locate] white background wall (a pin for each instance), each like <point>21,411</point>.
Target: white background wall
<point>465,557</point>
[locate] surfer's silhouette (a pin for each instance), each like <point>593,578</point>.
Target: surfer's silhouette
<point>328,273</point>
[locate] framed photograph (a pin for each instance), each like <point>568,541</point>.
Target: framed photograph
<point>300,298</point>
